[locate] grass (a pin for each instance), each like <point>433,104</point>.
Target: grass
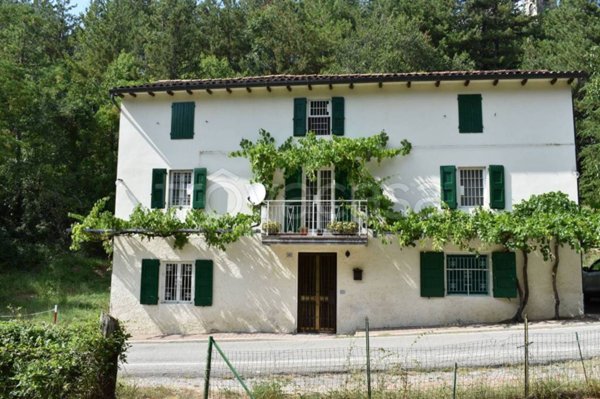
<point>132,391</point>
<point>545,390</point>
<point>79,285</point>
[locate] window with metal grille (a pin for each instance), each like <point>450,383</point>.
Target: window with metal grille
<point>467,274</point>
<point>178,282</point>
<point>180,188</point>
<point>471,186</point>
<point>319,117</point>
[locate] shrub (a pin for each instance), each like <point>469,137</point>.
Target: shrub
<point>47,361</point>
<point>339,227</point>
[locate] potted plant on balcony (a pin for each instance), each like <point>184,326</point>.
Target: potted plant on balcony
<point>271,227</point>
<point>343,228</point>
<point>303,230</point>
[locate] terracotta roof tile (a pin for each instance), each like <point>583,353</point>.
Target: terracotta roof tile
<point>296,80</point>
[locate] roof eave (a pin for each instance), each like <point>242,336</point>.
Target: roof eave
<point>192,85</point>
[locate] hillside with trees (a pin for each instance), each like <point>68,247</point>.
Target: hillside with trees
<point>58,126</point>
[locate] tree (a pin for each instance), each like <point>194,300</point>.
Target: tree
<point>491,32</point>
<point>385,40</point>
<point>569,39</point>
<point>173,38</point>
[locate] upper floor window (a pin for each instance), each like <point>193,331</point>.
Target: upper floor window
<point>319,119</point>
<point>185,188</point>
<point>180,188</point>
<point>470,116</point>
<point>182,120</point>
<point>321,116</point>
<point>471,187</point>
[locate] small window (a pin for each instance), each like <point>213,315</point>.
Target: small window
<point>471,187</point>
<point>180,188</point>
<point>467,275</point>
<point>178,282</point>
<point>319,117</point>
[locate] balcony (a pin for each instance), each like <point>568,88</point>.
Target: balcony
<point>314,222</point>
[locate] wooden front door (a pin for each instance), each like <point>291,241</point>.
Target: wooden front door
<point>317,276</point>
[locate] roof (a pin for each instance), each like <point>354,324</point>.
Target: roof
<point>303,80</point>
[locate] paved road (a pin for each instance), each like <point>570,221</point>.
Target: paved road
<point>185,359</point>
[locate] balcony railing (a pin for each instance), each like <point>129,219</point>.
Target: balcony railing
<point>301,218</point>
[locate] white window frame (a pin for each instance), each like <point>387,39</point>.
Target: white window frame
<point>163,282</point>
<point>189,189</point>
<point>460,188</point>
<point>307,201</point>
<point>488,274</point>
<point>309,115</point>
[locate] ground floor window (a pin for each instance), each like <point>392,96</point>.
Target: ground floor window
<point>178,282</point>
<point>467,274</point>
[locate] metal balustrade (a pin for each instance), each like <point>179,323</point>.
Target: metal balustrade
<point>315,218</point>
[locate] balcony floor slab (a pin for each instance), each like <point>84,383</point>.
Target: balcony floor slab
<point>313,239</point>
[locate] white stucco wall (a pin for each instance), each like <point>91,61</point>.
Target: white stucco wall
<point>528,129</point>
<point>255,289</point>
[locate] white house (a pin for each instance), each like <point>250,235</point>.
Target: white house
<point>479,138</point>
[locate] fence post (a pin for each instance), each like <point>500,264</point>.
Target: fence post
<point>368,358</point>
<point>208,364</point>
<point>108,380</point>
<point>581,357</point>
<point>526,346</point>
<point>233,370</point>
<point>454,383</point>
<point>55,315</point>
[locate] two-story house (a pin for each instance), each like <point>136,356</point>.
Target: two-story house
<point>479,139</point>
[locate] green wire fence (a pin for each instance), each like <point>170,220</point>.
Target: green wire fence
<point>522,365</point>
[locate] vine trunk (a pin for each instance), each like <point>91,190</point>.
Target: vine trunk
<point>554,278</point>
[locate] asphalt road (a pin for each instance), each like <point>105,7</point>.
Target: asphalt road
<point>310,353</point>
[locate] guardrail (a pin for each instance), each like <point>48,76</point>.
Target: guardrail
<point>315,218</point>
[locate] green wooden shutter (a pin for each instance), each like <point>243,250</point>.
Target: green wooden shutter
<point>203,290</point>
<point>159,181</point>
<point>470,119</point>
<point>448,186</point>
<point>293,191</point>
<point>337,112</point>
<point>497,196</point>
<point>504,268</point>
<point>199,197</point>
<point>182,120</point>
<point>343,191</point>
<point>432,274</point>
<point>149,282</point>
<point>299,116</point>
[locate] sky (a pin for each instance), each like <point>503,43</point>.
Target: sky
<point>79,6</point>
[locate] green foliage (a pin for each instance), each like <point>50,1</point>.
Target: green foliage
<point>312,153</point>
<point>491,32</point>
<point>340,227</point>
<point>102,225</point>
<point>534,224</point>
<point>58,127</point>
<point>271,227</point>
<point>44,361</point>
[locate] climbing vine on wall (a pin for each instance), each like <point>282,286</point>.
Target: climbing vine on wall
<point>309,153</point>
<point>312,153</point>
<point>218,230</point>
